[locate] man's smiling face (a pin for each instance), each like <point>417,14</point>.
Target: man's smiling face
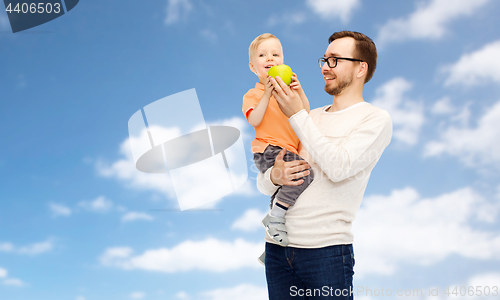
<point>339,78</point>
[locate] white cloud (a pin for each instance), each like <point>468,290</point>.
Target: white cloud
<point>462,117</point>
<point>405,228</point>
<point>209,35</point>
<point>112,254</point>
<point>479,146</point>
<point>481,288</point>
<point>137,295</point>
<point>328,9</point>
<point>241,124</point>
<point>100,205</point>
<point>182,295</point>
<point>13,282</point>
<point>208,255</point>
<point>59,210</point>
<point>33,249</point>
<point>487,279</point>
<point>37,248</point>
<point>177,10</point>
<point>10,281</point>
<point>6,247</point>
<point>407,115</point>
<point>136,216</point>
<point>247,189</point>
<point>124,169</point>
<point>240,292</point>
<point>287,19</point>
<point>247,135</point>
<point>429,21</point>
<point>250,221</point>
<point>443,106</point>
<point>476,68</point>
<point>80,298</point>
<point>193,188</point>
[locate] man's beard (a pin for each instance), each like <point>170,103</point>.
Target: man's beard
<point>341,86</point>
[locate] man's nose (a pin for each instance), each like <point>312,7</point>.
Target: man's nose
<point>325,67</point>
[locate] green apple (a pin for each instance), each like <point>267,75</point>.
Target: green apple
<point>283,71</point>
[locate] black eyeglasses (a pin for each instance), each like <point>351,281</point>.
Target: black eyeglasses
<point>332,61</point>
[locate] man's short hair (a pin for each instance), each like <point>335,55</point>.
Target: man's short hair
<point>257,41</point>
<point>364,49</point>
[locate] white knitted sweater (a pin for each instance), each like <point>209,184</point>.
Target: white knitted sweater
<point>342,148</point>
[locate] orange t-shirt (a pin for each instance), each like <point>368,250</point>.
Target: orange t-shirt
<point>274,128</point>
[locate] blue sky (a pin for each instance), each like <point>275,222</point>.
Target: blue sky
<point>80,223</point>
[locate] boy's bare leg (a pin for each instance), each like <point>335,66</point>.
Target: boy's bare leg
<point>283,203</point>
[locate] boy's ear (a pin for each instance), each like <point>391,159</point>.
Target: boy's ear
<point>250,65</point>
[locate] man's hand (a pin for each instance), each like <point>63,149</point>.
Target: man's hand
<point>288,99</point>
<point>284,172</point>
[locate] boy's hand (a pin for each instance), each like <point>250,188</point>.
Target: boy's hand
<point>268,87</point>
<point>256,115</point>
<point>295,85</point>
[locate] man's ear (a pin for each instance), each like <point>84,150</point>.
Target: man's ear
<point>363,69</point>
<point>252,68</point>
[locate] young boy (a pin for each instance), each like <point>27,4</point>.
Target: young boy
<point>272,131</point>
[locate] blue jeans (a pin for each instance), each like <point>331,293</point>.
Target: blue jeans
<point>319,273</point>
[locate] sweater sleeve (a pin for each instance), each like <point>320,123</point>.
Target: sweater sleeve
<point>264,183</point>
<point>362,147</point>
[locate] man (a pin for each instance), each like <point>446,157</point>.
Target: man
<point>342,142</point>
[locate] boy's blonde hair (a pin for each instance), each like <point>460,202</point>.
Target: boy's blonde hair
<point>257,41</point>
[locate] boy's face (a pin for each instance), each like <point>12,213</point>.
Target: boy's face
<point>269,53</point>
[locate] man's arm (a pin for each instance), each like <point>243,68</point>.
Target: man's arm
<point>265,184</point>
<point>282,173</point>
<point>363,146</point>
